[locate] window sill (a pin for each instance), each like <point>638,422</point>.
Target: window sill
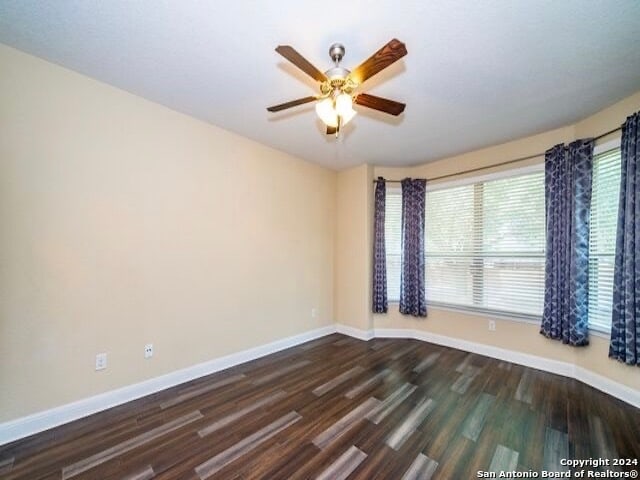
<point>524,318</point>
<point>598,331</point>
<point>601,332</point>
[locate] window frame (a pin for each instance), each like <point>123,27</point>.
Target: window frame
<point>470,180</point>
<point>478,283</point>
<point>595,330</point>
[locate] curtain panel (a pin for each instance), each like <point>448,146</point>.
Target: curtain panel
<point>412,280</point>
<point>379,295</point>
<point>568,177</point>
<point>625,318</point>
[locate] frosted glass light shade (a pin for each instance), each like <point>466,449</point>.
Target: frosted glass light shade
<point>344,104</point>
<point>327,114</point>
<point>344,108</point>
<point>348,116</point>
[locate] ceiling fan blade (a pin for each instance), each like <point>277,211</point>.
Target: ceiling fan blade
<point>390,53</point>
<point>302,63</point>
<point>378,103</point>
<point>292,103</point>
<point>331,130</point>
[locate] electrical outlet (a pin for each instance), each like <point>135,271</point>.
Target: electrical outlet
<point>314,313</point>
<point>492,325</point>
<point>148,350</point>
<point>101,361</point>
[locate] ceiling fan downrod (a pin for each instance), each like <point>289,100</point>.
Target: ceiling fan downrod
<point>336,52</point>
<point>337,75</point>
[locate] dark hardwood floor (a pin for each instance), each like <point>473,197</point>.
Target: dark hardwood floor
<point>339,408</point>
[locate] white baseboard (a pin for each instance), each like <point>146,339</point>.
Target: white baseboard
<point>38,422</point>
<point>355,332</point>
<point>615,389</point>
<point>548,365</point>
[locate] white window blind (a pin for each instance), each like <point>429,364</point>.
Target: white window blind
<point>484,245</point>
<point>449,243</point>
<point>393,240</point>
<point>602,237</point>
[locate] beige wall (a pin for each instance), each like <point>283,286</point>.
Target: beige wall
<point>509,334</point>
<point>353,247</point>
<point>123,222</point>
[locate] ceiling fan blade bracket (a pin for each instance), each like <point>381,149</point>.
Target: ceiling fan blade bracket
<point>349,85</point>
<point>326,88</point>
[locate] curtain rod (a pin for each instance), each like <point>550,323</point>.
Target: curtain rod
<point>508,162</point>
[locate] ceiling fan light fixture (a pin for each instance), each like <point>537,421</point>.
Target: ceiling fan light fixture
<point>344,104</point>
<point>326,112</point>
<point>346,118</point>
<point>344,108</point>
<point>334,104</point>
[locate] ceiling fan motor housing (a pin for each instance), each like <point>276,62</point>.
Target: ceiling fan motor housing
<point>337,74</point>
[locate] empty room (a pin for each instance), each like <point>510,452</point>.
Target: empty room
<point>302,240</point>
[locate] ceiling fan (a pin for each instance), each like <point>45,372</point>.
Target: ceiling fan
<point>338,85</point>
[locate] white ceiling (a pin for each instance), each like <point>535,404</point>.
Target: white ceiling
<point>477,73</point>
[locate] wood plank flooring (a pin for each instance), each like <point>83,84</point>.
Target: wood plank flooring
<point>340,408</point>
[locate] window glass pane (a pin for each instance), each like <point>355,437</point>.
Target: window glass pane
<point>485,245</point>
<point>513,215</point>
<point>449,244</point>
<point>393,240</point>
<point>514,284</point>
<point>602,236</point>
<point>449,280</point>
<point>449,220</point>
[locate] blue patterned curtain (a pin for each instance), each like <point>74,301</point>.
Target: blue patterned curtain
<point>412,285</point>
<point>568,173</point>
<point>625,319</point>
<point>379,297</point>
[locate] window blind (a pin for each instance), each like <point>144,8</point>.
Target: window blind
<point>602,237</point>
<point>393,240</point>
<point>484,245</point>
